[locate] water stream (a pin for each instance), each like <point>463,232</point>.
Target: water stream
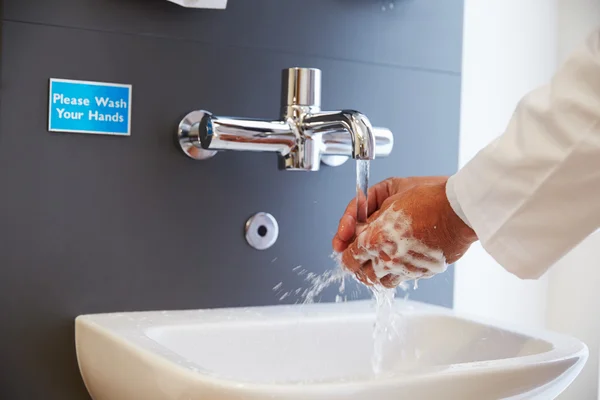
<point>362,192</point>
<point>383,329</point>
<point>384,298</point>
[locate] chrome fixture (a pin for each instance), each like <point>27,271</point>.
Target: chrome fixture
<point>262,231</point>
<point>304,136</point>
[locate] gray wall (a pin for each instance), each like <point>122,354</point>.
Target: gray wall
<point>99,224</point>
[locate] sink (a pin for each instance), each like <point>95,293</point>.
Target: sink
<point>318,351</point>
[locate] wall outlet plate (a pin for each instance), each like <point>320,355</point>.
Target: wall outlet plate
<point>214,4</point>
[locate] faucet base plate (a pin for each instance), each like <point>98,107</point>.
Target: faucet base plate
<point>188,136</point>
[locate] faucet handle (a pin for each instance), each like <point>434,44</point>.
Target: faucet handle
<point>300,89</point>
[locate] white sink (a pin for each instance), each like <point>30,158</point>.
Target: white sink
<point>318,351</point>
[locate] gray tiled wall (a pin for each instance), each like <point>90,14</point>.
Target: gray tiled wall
<point>97,224</point>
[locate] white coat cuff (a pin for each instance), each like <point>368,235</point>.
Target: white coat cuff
<point>454,203</point>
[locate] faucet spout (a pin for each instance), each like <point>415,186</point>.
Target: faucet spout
<point>349,133</point>
<point>350,122</point>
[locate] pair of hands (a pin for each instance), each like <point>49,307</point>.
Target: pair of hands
<point>411,232</point>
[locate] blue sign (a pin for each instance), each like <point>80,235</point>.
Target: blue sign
<point>89,107</point>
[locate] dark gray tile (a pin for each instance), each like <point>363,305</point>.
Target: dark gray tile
<point>415,33</point>
<point>97,224</point>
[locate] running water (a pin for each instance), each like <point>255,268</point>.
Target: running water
<point>362,189</point>
<point>384,328</point>
<point>384,324</point>
<point>384,298</point>
<point>318,283</point>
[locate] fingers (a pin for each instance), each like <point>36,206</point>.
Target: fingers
<point>349,259</point>
<point>374,216</point>
<point>347,227</point>
<point>366,274</point>
<point>338,244</point>
<point>362,277</point>
<point>368,270</point>
<point>345,233</point>
<point>389,202</point>
<point>377,194</point>
<point>375,237</point>
<point>413,268</point>
<point>390,281</point>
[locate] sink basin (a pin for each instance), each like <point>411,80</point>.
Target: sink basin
<point>318,351</point>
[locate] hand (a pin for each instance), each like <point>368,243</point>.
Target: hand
<point>411,232</point>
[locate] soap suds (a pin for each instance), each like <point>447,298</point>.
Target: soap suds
<point>392,249</point>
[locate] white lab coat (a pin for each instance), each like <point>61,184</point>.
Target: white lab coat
<point>534,193</point>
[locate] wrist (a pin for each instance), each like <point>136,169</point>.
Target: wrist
<point>461,229</point>
<point>456,222</point>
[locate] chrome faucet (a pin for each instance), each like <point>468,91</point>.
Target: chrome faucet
<point>304,136</point>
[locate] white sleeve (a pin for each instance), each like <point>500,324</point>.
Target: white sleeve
<point>534,193</point>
